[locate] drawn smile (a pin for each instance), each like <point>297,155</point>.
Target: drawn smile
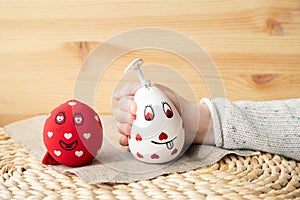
<point>68,147</point>
<point>169,144</point>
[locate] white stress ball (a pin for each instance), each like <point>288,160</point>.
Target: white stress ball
<point>157,135</point>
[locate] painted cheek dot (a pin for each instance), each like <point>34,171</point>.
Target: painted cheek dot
<point>138,137</point>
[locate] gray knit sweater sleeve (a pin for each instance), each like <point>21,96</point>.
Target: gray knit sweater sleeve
<point>269,126</point>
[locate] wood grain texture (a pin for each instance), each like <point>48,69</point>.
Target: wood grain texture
<point>254,44</point>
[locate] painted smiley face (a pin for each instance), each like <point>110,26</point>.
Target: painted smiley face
<point>72,134</point>
<point>157,135</point>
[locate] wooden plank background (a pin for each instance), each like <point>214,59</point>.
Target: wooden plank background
<point>255,45</point>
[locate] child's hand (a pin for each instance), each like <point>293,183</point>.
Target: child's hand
<point>125,111</point>
<point>195,129</point>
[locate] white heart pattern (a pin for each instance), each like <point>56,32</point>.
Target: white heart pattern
<point>78,153</point>
<point>50,134</point>
<point>68,135</point>
<point>96,118</point>
<point>72,103</point>
<point>87,135</point>
<point>57,152</point>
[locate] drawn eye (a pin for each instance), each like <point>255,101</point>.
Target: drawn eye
<point>60,118</point>
<point>78,119</point>
<point>149,113</point>
<point>167,110</point>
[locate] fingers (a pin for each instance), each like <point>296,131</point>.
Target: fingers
<point>128,90</point>
<point>123,140</point>
<point>124,128</point>
<point>123,103</point>
<point>122,116</point>
<point>125,111</point>
<point>127,104</point>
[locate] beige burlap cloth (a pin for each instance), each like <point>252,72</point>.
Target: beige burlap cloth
<point>113,163</point>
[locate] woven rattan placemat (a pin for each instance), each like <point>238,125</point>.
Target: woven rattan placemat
<point>262,176</point>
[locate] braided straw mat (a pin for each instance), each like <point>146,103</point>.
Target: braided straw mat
<point>261,176</point>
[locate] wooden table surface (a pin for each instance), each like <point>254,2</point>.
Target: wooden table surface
<point>255,46</point>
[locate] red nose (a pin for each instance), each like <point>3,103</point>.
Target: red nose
<point>163,136</point>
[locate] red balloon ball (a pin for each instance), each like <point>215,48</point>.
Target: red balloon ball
<point>72,134</point>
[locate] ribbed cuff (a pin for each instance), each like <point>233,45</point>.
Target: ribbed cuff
<point>215,122</point>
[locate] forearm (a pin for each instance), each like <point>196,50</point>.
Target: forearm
<point>197,123</point>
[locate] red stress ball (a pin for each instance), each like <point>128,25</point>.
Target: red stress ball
<point>72,134</point>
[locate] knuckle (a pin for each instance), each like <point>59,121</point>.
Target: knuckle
<point>123,101</point>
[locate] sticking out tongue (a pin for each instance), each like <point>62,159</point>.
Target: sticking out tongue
<point>170,145</point>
